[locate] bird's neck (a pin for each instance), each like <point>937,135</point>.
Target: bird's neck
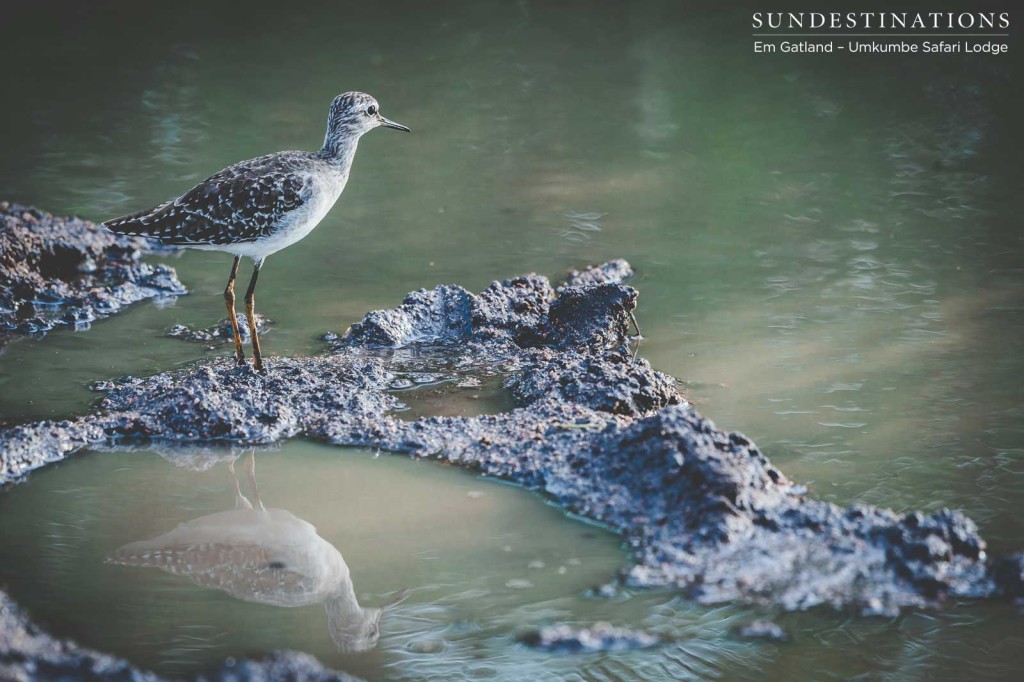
<point>343,601</point>
<point>339,148</point>
<point>346,620</point>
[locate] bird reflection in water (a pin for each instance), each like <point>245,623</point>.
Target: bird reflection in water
<point>267,556</point>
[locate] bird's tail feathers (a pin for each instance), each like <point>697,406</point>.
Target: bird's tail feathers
<point>139,224</point>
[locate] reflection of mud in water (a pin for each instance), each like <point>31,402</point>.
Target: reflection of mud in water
<point>469,396</point>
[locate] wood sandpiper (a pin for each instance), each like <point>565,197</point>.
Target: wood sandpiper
<point>257,207</point>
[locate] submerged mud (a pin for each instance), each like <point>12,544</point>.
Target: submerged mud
<point>69,272</point>
<point>762,629</point>
<point>567,639</point>
<point>596,429</point>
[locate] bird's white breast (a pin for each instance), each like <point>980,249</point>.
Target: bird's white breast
<point>298,223</point>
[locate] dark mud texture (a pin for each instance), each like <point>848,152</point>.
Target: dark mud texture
<point>69,272</point>
<point>596,430</point>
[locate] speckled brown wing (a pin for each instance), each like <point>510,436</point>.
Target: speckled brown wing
<point>242,203</point>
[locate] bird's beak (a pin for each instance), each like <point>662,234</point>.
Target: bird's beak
<point>395,599</point>
<point>391,124</point>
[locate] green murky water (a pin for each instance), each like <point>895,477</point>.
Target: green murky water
<point>829,255</point>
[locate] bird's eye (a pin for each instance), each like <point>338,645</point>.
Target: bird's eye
<point>371,110</point>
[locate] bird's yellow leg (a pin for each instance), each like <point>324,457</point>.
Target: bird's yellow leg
<point>251,471</point>
<point>229,302</point>
<point>250,315</point>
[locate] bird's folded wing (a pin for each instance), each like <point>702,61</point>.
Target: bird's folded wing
<point>240,204</point>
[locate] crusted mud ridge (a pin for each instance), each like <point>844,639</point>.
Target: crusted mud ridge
<point>595,429</point>
<point>69,272</point>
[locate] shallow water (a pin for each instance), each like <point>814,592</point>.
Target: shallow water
<point>828,249</point>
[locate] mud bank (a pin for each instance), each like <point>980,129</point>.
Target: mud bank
<point>69,272</point>
<point>598,431</point>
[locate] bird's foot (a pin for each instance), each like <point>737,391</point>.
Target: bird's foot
<point>240,359</point>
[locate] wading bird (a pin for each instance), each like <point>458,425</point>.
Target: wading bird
<point>258,207</point>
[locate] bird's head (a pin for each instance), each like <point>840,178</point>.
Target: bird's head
<point>354,628</point>
<point>356,113</point>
